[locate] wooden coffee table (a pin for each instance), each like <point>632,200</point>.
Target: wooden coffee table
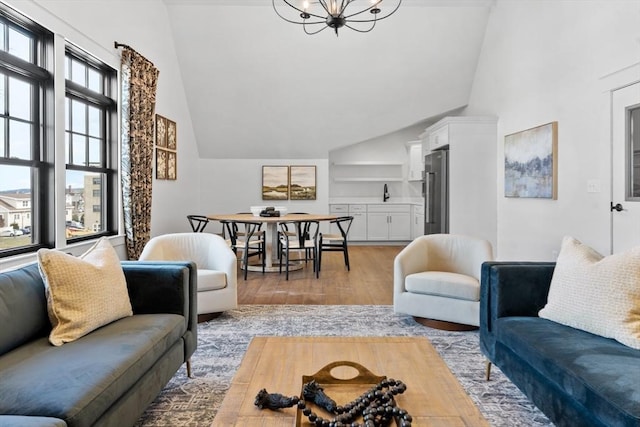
<point>434,396</point>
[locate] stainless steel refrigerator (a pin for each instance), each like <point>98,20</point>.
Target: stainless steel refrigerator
<point>436,192</point>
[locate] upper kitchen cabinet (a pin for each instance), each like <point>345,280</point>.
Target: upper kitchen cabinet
<point>416,161</point>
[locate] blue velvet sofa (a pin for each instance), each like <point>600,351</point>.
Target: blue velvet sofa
<point>575,378</point>
<point>108,377</point>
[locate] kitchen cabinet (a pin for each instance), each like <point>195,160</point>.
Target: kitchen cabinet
<point>416,161</point>
<point>388,222</point>
<point>359,225</point>
<point>358,230</point>
<point>417,223</point>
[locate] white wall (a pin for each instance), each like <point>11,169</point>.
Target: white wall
<point>144,25</point>
<point>542,61</point>
<point>233,185</point>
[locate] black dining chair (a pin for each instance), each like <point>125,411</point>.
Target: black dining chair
<point>198,222</point>
<point>305,242</point>
<point>246,237</point>
<point>329,242</point>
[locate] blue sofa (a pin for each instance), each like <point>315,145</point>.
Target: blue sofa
<point>575,378</point>
<point>108,377</point>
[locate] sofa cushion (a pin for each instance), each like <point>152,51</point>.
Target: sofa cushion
<point>597,294</point>
<point>211,280</point>
<point>445,284</point>
<point>79,381</point>
<point>83,293</point>
<point>23,307</point>
<point>600,373</point>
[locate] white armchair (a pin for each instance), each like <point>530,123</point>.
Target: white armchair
<point>216,262</point>
<point>436,279</point>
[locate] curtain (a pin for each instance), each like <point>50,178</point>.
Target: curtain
<point>139,82</point>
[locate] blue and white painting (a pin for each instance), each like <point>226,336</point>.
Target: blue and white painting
<point>529,157</point>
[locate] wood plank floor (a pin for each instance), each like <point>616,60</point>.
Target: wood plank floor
<point>370,281</point>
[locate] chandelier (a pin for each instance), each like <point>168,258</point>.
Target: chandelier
<point>316,16</point>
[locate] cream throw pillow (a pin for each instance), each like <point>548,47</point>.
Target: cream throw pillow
<point>83,293</point>
<point>597,294</point>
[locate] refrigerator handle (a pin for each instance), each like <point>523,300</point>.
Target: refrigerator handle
<point>429,198</point>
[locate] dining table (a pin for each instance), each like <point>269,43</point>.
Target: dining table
<point>271,233</point>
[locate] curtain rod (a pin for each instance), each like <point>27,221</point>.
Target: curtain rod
<point>126,46</point>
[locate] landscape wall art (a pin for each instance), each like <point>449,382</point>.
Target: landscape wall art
<point>531,163</point>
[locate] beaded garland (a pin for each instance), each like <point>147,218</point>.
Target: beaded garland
<point>376,407</point>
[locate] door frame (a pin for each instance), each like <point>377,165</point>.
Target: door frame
<point>610,83</point>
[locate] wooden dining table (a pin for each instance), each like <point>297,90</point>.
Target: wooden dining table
<point>271,234</point>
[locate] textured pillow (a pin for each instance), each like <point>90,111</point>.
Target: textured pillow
<point>83,293</point>
<point>597,294</point>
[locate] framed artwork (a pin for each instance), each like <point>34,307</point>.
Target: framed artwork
<point>172,135</point>
<point>302,182</point>
<point>166,148</point>
<point>161,131</point>
<point>161,163</point>
<point>275,184</point>
<point>172,172</point>
<point>531,163</point>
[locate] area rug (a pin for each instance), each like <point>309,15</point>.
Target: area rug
<point>222,342</point>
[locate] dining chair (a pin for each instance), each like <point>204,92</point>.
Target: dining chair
<point>305,242</point>
<point>245,237</point>
<point>334,242</point>
<point>198,222</point>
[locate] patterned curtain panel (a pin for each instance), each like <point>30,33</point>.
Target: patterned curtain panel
<point>139,82</point>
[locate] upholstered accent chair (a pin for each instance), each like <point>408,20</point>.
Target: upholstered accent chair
<point>216,266</point>
<point>437,280</point>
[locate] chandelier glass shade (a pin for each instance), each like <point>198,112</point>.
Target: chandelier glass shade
<point>316,16</point>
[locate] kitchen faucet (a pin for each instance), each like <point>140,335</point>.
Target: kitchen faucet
<point>386,195</point>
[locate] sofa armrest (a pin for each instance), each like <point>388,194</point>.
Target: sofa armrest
<point>510,289</point>
<point>163,287</point>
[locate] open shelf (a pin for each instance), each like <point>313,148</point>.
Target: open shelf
<point>367,163</point>
<point>367,179</point>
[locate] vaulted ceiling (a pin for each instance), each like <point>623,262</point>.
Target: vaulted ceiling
<point>258,87</point>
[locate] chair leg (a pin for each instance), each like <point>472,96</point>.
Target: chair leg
<point>245,257</point>
<point>189,368</point>
<point>487,370</point>
<point>346,256</point>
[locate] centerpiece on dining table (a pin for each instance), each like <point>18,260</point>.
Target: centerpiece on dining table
<point>269,211</point>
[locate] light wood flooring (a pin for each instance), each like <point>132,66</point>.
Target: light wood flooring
<point>370,281</point>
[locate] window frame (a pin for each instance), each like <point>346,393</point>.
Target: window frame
<point>41,163</point>
<point>109,150</point>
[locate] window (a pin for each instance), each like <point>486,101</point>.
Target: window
<point>633,137</point>
<point>90,145</point>
<point>28,146</point>
<point>26,142</point>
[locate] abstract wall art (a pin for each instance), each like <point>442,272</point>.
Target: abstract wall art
<point>531,163</point>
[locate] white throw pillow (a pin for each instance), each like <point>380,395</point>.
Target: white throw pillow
<point>597,294</point>
<point>83,293</point>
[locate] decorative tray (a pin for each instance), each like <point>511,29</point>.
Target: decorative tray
<point>342,391</point>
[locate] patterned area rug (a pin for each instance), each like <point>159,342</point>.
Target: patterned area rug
<point>223,341</point>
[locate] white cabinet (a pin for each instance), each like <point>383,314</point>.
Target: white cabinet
<point>389,222</point>
<point>416,161</point>
<point>417,221</point>
<point>359,225</point>
<point>358,230</point>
